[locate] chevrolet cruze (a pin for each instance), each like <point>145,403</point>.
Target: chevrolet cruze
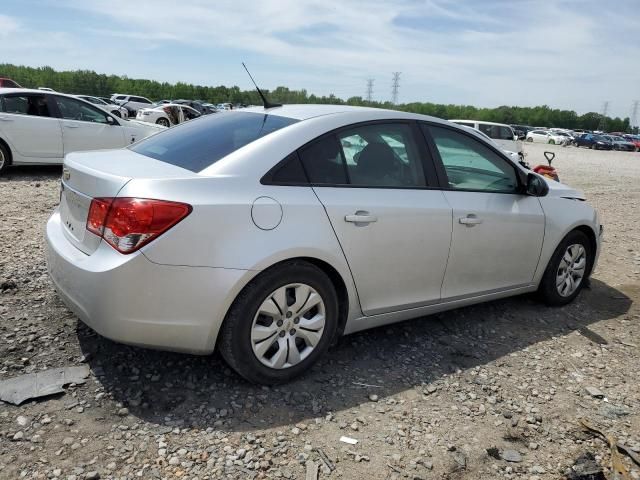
<point>266,233</point>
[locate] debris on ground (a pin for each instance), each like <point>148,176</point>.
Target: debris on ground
<point>585,467</point>
<point>41,384</point>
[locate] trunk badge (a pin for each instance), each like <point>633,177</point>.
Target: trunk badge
<point>66,174</point>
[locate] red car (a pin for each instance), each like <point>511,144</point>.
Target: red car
<point>8,83</point>
<point>635,139</point>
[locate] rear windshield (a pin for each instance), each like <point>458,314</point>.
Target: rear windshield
<point>199,144</point>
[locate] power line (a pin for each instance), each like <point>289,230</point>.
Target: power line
<point>369,95</point>
<point>602,125</point>
<point>395,87</point>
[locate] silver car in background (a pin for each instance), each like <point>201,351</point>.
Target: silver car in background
<point>266,233</point>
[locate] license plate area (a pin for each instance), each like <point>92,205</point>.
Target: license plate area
<point>74,208</point>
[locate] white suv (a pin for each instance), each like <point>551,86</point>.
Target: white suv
<point>131,102</point>
<point>501,133</point>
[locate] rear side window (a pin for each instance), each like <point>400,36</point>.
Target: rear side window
<point>323,162</point>
<point>198,145</point>
<point>26,104</point>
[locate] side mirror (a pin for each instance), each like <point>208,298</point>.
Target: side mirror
<point>536,186</point>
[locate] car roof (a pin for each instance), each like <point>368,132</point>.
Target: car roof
<point>4,91</point>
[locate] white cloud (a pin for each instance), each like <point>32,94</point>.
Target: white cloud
<point>8,25</point>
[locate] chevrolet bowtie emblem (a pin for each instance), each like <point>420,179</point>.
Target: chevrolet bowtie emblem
<point>66,174</point>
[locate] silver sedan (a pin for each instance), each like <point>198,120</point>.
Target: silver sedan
<point>267,233</point>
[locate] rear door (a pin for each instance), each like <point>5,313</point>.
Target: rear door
<point>394,229</point>
<point>497,231</point>
<point>27,123</point>
<point>85,127</point>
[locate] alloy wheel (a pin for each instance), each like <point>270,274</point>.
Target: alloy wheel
<point>2,159</point>
<point>571,269</point>
<point>288,326</point>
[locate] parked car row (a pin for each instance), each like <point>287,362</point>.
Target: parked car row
<point>501,133</point>
<point>40,127</point>
<point>594,140</point>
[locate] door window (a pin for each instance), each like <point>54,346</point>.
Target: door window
<point>470,165</point>
<point>72,109</point>
<point>35,105</point>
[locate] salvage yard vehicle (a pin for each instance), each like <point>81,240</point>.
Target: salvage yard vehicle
<point>267,233</point>
<point>131,102</point>
<point>116,110</point>
<point>38,127</point>
<point>8,83</point>
<point>593,141</point>
<point>167,114</point>
<point>620,143</point>
<point>546,136</point>
<point>502,134</point>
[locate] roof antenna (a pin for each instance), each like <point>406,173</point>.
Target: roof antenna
<point>265,102</point>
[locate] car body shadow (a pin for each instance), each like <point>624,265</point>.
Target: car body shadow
<point>31,173</point>
<point>177,390</point>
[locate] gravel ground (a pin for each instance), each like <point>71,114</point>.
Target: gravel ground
<point>424,398</point>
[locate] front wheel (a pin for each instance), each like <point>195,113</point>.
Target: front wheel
<point>163,121</point>
<point>280,324</point>
<point>567,270</point>
<point>529,139</point>
<point>552,142</point>
<point>117,113</point>
<point>594,147</point>
<point>4,158</point>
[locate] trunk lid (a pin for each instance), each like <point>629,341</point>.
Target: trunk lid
<point>87,175</point>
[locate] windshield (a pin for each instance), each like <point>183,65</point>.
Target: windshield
<point>600,138</point>
<point>199,144</point>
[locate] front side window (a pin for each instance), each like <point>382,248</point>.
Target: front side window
<point>72,109</point>
<point>26,104</point>
<point>470,165</point>
<point>198,145</point>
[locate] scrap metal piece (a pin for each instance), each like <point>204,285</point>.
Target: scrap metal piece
<point>41,384</point>
<point>323,456</point>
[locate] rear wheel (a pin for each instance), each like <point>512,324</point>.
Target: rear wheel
<point>567,270</point>
<point>530,139</point>
<point>163,121</point>
<point>552,142</point>
<point>594,146</point>
<point>4,158</point>
<point>280,324</point>
<point>117,113</point>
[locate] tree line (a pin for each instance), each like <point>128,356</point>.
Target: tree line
<point>88,82</point>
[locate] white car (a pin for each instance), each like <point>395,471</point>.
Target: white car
<point>515,156</point>
<point>546,136</point>
<point>131,102</point>
<point>40,127</point>
<point>501,133</point>
<point>113,108</point>
<point>268,233</point>
<point>167,114</point>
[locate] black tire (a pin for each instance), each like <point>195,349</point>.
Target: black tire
<point>235,334</point>
<point>594,146</point>
<point>547,291</point>
<point>163,121</point>
<point>530,139</point>
<point>5,158</point>
<point>552,142</point>
<point>117,113</point>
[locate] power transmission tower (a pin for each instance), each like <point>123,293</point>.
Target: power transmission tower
<point>634,114</point>
<point>603,118</point>
<point>395,87</point>
<point>369,95</point>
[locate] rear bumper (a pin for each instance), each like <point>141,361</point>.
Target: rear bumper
<point>132,300</point>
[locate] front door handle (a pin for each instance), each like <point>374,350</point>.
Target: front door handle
<point>360,217</point>
<point>72,126</point>
<point>470,220</point>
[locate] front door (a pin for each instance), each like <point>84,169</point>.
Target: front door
<point>395,231</point>
<point>85,127</point>
<point>497,231</point>
<point>28,125</point>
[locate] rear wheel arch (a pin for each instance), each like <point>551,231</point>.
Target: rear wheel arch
<point>8,154</point>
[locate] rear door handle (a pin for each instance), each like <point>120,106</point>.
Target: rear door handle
<point>360,217</point>
<point>72,126</point>
<point>470,220</point>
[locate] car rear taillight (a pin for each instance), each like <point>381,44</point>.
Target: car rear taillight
<point>127,224</point>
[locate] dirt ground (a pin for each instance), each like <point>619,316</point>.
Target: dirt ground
<point>425,399</point>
